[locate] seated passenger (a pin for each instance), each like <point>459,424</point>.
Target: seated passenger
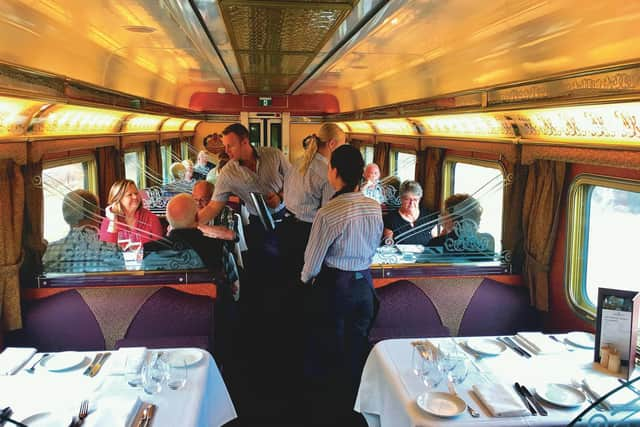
<point>185,246</point>
<point>81,250</point>
<point>460,221</point>
<point>177,172</point>
<point>411,224</point>
<point>125,215</point>
<point>203,166</point>
<point>370,186</point>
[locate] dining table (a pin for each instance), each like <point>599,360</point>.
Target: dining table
<point>52,393</point>
<point>391,394</point>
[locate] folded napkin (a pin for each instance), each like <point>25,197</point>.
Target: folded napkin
<point>500,400</point>
<point>119,358</point>
<point>539,343</point>
<point>13,358</point>
<point>113,411</point>
<point>600,386</point>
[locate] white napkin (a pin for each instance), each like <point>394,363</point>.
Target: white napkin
<point>539,343</point>
<point>13,358</point>
<point>113,411</point>
<point>500,400</point>
<point>119,359</point>
<point>603,385</point>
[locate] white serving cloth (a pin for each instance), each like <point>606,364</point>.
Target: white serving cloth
<point>203,402</point>
<point>13,358</point>
<point>538,343</point>
<point>113,411</point>
<point>500,400</point>
<point>115,365</point>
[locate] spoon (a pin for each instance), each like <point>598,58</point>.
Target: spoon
<point>32,369</point>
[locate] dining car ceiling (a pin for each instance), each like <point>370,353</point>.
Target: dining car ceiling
<point>365,53</point>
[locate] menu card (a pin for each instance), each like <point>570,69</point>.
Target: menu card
<point>617,325</point>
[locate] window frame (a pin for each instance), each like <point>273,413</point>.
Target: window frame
<point>393,154</point>
<point>142,178</point>
<point>92,168</point>
<point>578,198</point>
<point>184,149</point>
<point>363,150</point>
<point>166,163</point>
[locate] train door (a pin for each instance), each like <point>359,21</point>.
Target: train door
<point>265,130</point>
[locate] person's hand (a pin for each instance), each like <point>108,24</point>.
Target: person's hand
<point>273,200</point>
<point>217,232</point>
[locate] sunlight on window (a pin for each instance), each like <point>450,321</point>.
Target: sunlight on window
<point>613,226</point>
<point>57,182</point>
<point>367,153</point>
<point>134,167</point>
<point>404,165</point>
<point>486,185</point>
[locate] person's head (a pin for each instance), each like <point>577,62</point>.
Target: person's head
<point>372,172</point>
<point>188,169</point>
<point>328,138</point>
<point>202,192</point>
<point>345,168</point>
<point>203,158</point>
<point>410,195</point>
<point>124,198</point>
<point>461,207</point>
<point>213,143</point>
<point>177,171</point>
<point>182,211</point>
<point>80,207</point>
<point>235,138</point>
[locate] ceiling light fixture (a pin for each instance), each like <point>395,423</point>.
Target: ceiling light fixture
<point>139,29</point>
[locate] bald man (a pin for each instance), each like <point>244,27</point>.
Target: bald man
<point>185,237</point>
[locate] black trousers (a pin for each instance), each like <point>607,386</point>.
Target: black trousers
<point>293,236</point>
<point>341,307</point>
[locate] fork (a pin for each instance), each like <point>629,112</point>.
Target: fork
<point>82,414</point>
<point>32,369</point>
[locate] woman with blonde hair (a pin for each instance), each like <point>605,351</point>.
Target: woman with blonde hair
<point>307,189</point>
<point>126,217</point>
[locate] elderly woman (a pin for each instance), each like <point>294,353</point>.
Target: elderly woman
<point>411,224</point>
<point>126,217</point>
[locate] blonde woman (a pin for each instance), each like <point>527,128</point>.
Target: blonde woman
<point>126,215</point>
<point>307,189</point>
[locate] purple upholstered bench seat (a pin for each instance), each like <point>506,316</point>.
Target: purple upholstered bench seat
<point>197,341</point>
<point>405,312</point>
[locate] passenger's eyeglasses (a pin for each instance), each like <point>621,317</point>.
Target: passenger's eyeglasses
<point>411,199</point>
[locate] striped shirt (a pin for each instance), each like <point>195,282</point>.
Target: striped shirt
<point>304,195</point>
<point>344,235</point>
<point>236,179</point>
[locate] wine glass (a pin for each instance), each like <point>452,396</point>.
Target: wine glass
<point>123,240</point>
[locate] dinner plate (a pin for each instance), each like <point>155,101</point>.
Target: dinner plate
<point>581,339</point>
<point>63,361</point>
<point>45,419</point>
<point>561,395</point>
<point>486,346</point>
<point>188,357</point>
<point>441,404</point>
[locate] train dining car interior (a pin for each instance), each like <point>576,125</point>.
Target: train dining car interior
<point>379,213</point>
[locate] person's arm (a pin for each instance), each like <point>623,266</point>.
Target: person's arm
<point>273,199</point>
<point>387,233</point>
<point>319,241</point>
<point>104,234</point>
<point>217,232</point>
<point>210,211</point>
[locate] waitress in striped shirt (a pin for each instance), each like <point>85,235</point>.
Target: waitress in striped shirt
<point>341,305</point>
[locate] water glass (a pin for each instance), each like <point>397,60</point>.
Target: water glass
<point>132,371</point>
<point>178,374</point>
<point>155,373</point>
<point>430,373</point>
<point>460,371</point>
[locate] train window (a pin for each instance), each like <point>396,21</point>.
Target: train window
<point>484,181</point>
<point>367,153</point>
<point>57,180</point>
<point>403,165</point>
<point>134,167</point>
<point>596,256</point>
<point>165,153</point>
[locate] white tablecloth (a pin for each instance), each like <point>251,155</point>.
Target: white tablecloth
<point>389,388</point>
<point>204,401</point>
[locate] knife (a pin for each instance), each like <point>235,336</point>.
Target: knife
<point>524,399</point>
<point>96,368</point>
<point>514,345</point>
<point>516,349</point>
<point>92,364</point>
<point>150,411</point>
<point>533,400</point>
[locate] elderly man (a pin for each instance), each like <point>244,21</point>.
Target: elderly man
<point>81,250</point>
<point>370,186</point>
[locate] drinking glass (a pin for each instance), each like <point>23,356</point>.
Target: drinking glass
<point>132,371</point>
<point>178,374</point>
<point>431,375</point>
<point>123,240</point>
<point>460,371</point>
<point>154,373</point>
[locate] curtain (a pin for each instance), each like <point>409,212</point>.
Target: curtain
<point>109,171</point>
<point>176,151</point>
<point>34,244</point>
<point>512,233</point>
<point>542,197</point>
<point>11,224</point>
<point>153,161</point>
<point>381,157</point>
<point>429,175</point>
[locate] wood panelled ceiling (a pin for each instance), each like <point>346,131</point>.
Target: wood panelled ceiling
<point>275,41</point>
